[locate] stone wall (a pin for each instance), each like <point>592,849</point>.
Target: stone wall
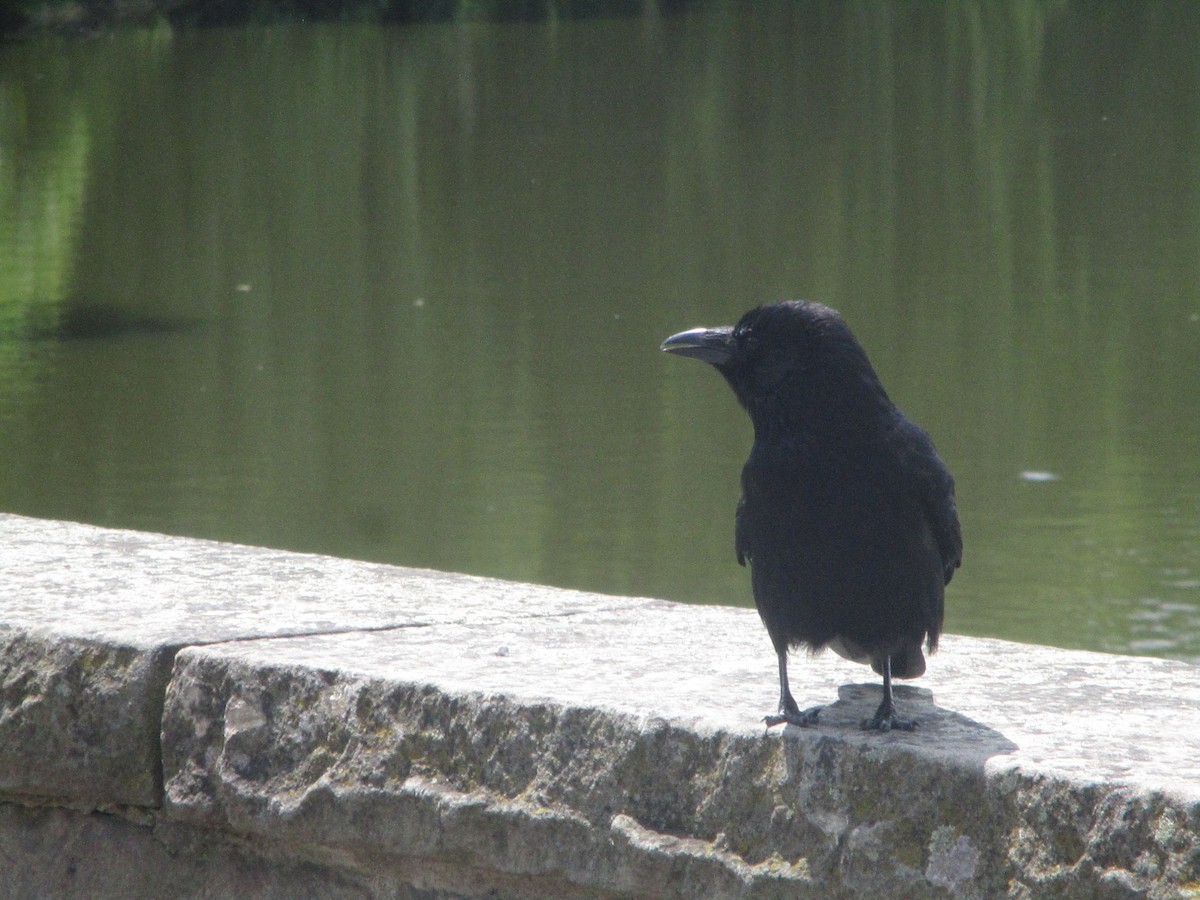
<point>182,718</point>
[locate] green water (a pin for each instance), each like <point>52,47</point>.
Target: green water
<point>397,294</point>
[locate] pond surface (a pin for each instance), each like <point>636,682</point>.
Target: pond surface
<point>397,294</point>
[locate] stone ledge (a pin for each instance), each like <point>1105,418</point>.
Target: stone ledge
<point>90,619</point>
<point>372,731</point>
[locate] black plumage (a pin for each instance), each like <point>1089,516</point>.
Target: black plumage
<point>847,516</point>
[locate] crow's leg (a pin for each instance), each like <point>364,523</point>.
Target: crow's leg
<point>789,712</point>
<point>885,717</point>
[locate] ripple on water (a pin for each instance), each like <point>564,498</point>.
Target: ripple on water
<point>1162,627</point>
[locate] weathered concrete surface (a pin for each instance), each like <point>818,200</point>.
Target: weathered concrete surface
<point>52,852</point>
<point>79,719</point>
<point>611,746</point>
<point>339,729</point>
<point>90,619</point>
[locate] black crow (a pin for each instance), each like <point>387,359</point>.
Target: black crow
<point>847,515</point>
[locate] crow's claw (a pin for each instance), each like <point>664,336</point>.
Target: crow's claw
<point>804,719</point>
<point>888,722</point>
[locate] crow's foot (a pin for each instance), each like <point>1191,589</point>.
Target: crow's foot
<point>804,719</point>
<point>887,721</point>
<point>885,718</point>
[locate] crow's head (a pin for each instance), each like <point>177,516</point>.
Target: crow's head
<point>797,357</point>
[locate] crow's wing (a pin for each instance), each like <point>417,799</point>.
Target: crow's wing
<point>933,485</point>
<point>741,533</point>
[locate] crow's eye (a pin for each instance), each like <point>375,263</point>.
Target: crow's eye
<point>748,342</point>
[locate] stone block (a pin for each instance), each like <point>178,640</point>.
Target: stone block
<point>623,748</point>
<point>90,620</point>
<point>79,719</point>
<point>187,718</point>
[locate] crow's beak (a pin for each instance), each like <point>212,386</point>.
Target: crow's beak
<point>713,345</point>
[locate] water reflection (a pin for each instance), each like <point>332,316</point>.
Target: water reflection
<point>429,267</point>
